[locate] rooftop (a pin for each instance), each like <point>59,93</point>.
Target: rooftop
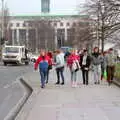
<point>48,16</point>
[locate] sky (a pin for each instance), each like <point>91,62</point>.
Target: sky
<point>23,7</point>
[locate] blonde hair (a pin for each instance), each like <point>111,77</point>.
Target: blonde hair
<point>73,50</point>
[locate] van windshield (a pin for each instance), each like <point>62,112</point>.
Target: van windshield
<point>11,50</point>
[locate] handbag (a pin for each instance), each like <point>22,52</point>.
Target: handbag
<point>49,67</point>
<point>105,75</point>
<point>75,66</point>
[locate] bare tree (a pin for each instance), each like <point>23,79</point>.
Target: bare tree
<point>106,13</point>
<point>82,34</point>
<point>6,22</point>
<point>41,34</point>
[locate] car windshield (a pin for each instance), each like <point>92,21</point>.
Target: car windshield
<point>11,50</point>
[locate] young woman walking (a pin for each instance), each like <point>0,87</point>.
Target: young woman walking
<point>73,64</point>
<point>43,62</point>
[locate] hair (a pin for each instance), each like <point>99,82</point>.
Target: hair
<point>111,49</point>
<point>58,51</point>
<point>50,54</point>
<point>96,48</point>
<point>85,50</point>
<point>73,50</point>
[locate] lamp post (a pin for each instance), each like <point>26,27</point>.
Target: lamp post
<point>2,18</point>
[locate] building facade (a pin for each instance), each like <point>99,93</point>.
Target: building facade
<point>21,31</point>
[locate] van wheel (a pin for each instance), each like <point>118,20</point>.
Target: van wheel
<point>5,64</point>
<point>26,63</point>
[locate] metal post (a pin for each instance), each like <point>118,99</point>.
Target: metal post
<point>56,37</point>
<point>18,37</point>
<point>46,41</point>
<point>2,18</point>
<point>13,37</point>
<point>27,36</point>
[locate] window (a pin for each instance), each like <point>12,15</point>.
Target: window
<point>18,24</point>
<point>30,25</point>
<point>68,24</point>
<point>61,24</point>
<point>24,25</point>
<point>74,24</point>
<point>11,50</point>
<point>11,24</point>
<point>23,50</point>
<point>55,24</point>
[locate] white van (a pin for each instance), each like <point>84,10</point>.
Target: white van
<point>14,54</point>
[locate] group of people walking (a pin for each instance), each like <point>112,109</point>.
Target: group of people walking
<point>99,63</point>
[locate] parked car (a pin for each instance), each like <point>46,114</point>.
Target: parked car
<point>33,58</point>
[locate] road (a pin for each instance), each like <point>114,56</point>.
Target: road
<point>10,89</point>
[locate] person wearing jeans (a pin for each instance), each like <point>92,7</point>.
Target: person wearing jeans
<point>73,77</point>
<point>59,72</point>
<point>43,61</point>
<point>96,62</point>
<point>43,74</point>
<point>60,62</point>
<point>73,57</point>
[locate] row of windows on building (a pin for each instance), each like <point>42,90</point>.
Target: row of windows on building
<point>54,24</point>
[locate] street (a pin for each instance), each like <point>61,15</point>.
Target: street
<point>10,89</point>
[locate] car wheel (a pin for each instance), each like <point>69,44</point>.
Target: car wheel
<point>5,64</point>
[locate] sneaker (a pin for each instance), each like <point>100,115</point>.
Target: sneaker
<point>42,87</point>
<point>98,82</point>
<point>75,84</point>
<point>62,83</point>
<point>95,82</point>
<point>57,83</point>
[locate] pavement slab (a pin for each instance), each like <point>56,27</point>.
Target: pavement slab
<point>92,102</point>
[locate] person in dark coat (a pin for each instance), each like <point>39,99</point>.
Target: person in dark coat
<point>85,65</point>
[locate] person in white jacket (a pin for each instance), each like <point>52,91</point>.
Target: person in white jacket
<point>60,63</point>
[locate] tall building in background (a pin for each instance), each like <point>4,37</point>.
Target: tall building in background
<point>45,6</point>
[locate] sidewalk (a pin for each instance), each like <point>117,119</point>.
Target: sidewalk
<point>92,102</point>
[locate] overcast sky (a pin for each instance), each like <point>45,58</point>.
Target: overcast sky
<point>18,7</point>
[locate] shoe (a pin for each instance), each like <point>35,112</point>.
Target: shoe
<point>95,82</point>
<point>46,82</point>
<point>57,83</point>
<point>86,83</point>
<point>109,82</point>
<point>98,83</point>
<point>62,83</point>
<point>75,84</point>
<point>42,87</point>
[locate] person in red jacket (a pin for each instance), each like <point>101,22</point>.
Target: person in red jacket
<point>70,61</point>
<point>43,62</point>
<point>50,55</point>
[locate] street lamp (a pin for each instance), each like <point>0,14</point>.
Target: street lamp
<point>2,18</point>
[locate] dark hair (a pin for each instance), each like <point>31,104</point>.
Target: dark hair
<point>50,54</point>
<point>111,49</point>
<point>85,50</point>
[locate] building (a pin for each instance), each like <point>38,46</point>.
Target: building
<point>45,6</point>
<point>22,33</point>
